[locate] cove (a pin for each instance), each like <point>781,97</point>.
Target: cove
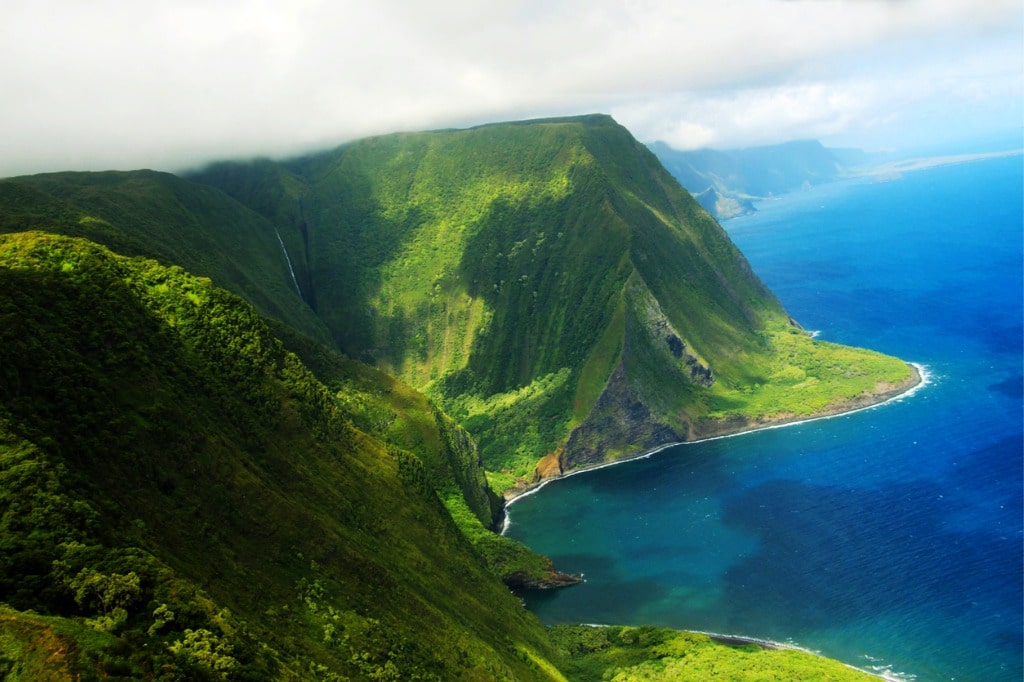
<point>889,538</point>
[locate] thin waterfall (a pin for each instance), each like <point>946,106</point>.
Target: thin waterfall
<point>289,261</point>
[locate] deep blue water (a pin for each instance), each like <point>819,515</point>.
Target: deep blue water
<point>890,538</point>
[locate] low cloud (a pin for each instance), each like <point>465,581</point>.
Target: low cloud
<point>749,117</point>
<point>129,84</point>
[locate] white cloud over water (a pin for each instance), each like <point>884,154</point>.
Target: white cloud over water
<point>112,83</point>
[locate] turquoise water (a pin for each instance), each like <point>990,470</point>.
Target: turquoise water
<point>891,538</point>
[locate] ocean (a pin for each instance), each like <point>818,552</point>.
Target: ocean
<point>891,538</point>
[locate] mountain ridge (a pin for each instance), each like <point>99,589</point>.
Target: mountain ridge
<point>584,179</point>
<point>489,267</point>
<point>184,500</point>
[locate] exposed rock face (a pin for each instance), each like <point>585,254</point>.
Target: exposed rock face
<point>628,411</point>
<point>624,414</point>
<point>553,580</point>
<point>620,416</point>
<point>698,372</point>
<point>655,324</point>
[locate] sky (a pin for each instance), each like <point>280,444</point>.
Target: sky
<point>118,84</point>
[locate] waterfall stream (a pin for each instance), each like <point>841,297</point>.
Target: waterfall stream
<point>289,261</point>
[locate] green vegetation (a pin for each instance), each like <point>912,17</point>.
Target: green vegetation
<point>548,284</point>
<point>390,410</point>
<point>178,483</point>
<point>198,227</point>
<point>36,648</point>
<point>624,654</point>
<point>161,216</point>
<point>301,485</point>
<point>805,377</point>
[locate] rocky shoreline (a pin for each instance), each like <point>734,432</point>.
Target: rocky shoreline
<point>735,427</point>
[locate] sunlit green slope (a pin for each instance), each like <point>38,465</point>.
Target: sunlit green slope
<point>205,231</point>
<point>551,285</point>
<point>182,499</point>
<point>397,414</point>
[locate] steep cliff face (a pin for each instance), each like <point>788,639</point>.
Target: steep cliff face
<point>525,275</point>
<point>162,216</point>
<point>196,226</point>
<point>528,277</point>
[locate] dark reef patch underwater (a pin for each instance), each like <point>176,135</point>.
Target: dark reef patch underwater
<point>890,538</point>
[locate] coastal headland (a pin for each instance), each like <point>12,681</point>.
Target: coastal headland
<point>737,426</point>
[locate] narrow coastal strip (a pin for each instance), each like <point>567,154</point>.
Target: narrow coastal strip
<point>882,672</point>
<point>923,163</point>
<point>920,378</point>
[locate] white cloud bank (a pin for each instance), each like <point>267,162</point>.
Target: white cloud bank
<point>112,83</point>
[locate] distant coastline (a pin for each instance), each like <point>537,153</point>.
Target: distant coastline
<point>894,169</point>
<point>731,183</point>
<point>919,378</point>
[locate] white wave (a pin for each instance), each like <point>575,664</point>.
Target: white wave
<point>875,666</point>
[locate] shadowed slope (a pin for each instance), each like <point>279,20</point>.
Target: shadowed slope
<point>162,216</point>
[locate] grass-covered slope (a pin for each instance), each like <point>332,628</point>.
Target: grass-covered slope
<point>189,494</point>
<point>182,499</point>
<point>548,284</point>
<point>647,654</point>
<point>551,285</point>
